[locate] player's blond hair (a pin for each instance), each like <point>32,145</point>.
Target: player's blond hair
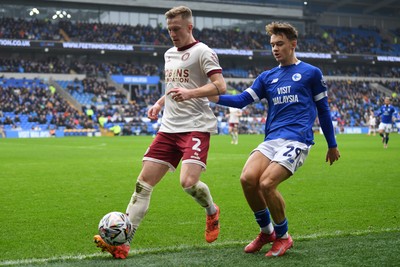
<point>183,11</point>
<point>279,28</point>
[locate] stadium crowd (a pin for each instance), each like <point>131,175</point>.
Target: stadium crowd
<point>96,91</point>
<point>54,64</point>
<point>30,104</point>
<point>33,105</point>
<point>91,68</point>
<point>360,40</point>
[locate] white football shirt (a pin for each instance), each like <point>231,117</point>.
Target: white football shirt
<point>234,115</point>
<point>189,67</point>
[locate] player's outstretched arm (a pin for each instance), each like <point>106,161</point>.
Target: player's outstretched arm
<point>216,87</point>
<point>332,155</point>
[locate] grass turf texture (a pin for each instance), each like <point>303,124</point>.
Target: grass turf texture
<point>55,191</point>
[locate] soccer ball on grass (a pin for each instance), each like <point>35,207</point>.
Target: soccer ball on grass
<point>115,228</point>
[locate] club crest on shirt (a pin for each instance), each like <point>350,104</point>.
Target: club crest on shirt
<point>185,56</point>
<point>296,77</point>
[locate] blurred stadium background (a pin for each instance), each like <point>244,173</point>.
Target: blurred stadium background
<point>78,68</point>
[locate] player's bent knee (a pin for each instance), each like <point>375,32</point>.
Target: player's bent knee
<point>248,181</point>
<point>267,186</point>
<point>186,183</point>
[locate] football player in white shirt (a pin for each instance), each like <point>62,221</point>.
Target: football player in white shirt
<point>234,117</point>
<point>192,72</point>
<point>372,123</point>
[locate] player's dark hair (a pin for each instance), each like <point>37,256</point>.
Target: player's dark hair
<point>279,28</point>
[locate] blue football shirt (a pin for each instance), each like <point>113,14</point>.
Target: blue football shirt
<point>335,115</point>
<point>291,92</point>
<point>386,113</point>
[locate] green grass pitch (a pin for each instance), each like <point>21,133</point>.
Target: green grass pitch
<point>53,192</point>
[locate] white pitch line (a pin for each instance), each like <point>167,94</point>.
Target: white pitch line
<point>186,247</point>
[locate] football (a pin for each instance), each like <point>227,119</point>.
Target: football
<point>115,228</point>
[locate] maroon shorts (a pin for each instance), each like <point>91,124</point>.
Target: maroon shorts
<point>233,125</point>
<point>170,148</point>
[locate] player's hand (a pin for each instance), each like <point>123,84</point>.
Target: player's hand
<point>152,113</point>
<point>179,94</point>
<point>332,155</point>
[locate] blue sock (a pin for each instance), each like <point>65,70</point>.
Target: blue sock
<point>262,217</point>
<point>281,228</point>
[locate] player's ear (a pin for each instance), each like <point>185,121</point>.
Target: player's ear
<point>294,44</point>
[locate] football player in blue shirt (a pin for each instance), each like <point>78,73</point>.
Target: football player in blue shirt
<point>295,91</point>
<point>335,115</point>
<point>385,126</point>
